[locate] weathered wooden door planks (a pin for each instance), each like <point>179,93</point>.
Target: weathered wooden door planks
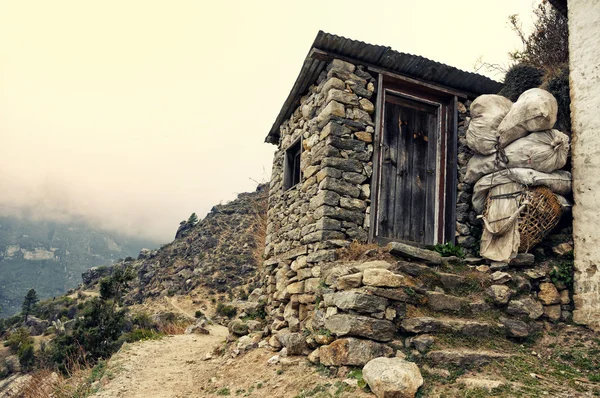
<point>407,201</point>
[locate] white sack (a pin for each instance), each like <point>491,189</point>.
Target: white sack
<point>558,182</point>
<point>487,111</point>
<point>535,110</point>
<point>500,239</point>
<point>543,151</point>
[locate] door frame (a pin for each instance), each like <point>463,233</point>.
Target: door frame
<point>446,162</point>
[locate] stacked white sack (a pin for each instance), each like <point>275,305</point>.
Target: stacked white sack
<point>544,151</point>
<point>533,152</point>
<point>535,110</point>
<point>487,112</point>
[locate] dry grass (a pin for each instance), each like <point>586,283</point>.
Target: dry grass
<point>172,328</point>
<point>46,383</point>
<point>363,251</point>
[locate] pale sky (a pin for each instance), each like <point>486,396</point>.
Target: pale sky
<point>138,113</point>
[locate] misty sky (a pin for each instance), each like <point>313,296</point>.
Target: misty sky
<point>137,113</point>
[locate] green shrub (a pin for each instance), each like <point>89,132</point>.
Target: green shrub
<point>563,270</point>
<point>198,314</point>
<point>17,339</point>
<point>226,310</point>
<point>449,249</point>
<point>519,79</point>
<point>26,357</point>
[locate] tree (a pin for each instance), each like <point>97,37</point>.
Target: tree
<point>30,300</point>
<point>547,47</point>
<point>193,220</point>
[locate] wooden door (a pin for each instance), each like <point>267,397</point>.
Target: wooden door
<point>409,159</point>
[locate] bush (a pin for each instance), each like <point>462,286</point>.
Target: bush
<point>226,310</point>
<point>448,249</point>
<point>17,339</point>
<point>519,79</point>
<point>198,314</point>
<point>26,357</point>
<point>140,334</point>
<point>547,47</point>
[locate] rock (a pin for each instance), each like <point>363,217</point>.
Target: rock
<point>483,268</point>
<point>501,277</point>
<point>349,281</point>
<point>562,249</point>
<point>526,306</point>
<point>295,343</point>
<point>515,328</point>
<point>422,342</point>
<point>384,278</point>
<point>499,293</point>
<point>246,343</point>
<point>364,136</point>
<point>315,356</point>
<point>473,260</point>
<point>356,301</point>
<point>405,250</point>
<point>392,378</point>
<point>464,358</point>
<point>274,342</point>
<point>478,306</point>
<point>36,326</point>
<point>451,325</point>
<point>535,274</point>
<point>254,325</point>
<point>445,302</point>
<point>553,312</point>
<point>498,266</point>
<point>523,260</point>
<point>196,329</point>
<point>376,264</point>
<point>323,339</point>
<point>406,295</point>
<point>361,326</point>
<point>548,294</point>
<point>564,297</point>
<point>238,327</point>
<point>352,351</point>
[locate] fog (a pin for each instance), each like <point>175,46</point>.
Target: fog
<point>134,114</point>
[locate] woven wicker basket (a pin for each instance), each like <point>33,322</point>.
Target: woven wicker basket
<point>539,218</point>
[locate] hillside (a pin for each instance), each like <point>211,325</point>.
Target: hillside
<point>50,256</point>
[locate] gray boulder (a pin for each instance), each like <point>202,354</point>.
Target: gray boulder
<point>392,377</point>
<point>361,326</point>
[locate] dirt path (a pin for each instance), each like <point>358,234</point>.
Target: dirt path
<point>161,368</point>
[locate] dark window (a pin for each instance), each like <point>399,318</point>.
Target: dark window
<point>291,170</point>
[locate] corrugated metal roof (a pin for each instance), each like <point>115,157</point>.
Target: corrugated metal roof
<point>383,57</point>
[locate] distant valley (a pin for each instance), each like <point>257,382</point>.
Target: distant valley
<point>50,256</point>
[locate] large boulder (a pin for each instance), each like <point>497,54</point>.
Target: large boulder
<point>352,351</point>
<point>36,326</point>
<point>361,326</point>
<point>392,377</point>
<point>548,294</point>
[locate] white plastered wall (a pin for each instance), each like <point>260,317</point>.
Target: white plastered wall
<point>584,47</point>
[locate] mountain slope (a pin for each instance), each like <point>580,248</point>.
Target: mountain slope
<point>218,255</point>
<point>50,256</point>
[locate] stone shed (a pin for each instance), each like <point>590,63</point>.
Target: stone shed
<point>370,148</point>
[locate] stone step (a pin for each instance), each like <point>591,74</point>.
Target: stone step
<point>465,327</point>
<point>464,358</point>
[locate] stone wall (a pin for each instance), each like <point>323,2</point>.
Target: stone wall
<point>468,226</point>
<point>584,47</point>
<point>329,208</point>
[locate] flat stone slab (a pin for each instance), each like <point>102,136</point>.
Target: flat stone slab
<point>404,250</point>
<point>465,358</point>
<point>447,325</point>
